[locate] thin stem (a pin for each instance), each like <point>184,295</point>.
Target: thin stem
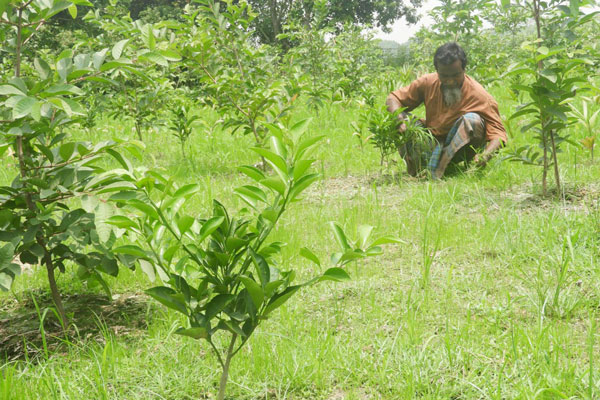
<point>53,287</point>
<point>225,374</point>
<point>554,157</point>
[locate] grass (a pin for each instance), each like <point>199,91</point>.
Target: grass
<point>494,295</point>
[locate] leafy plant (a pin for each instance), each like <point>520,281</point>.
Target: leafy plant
<point>555,75</point>
<point>222,272</point>
<point>588,119</point>
<point>382,128</point>
<point>40,219</point>
<point>240,78</point>
<point>182,124</point>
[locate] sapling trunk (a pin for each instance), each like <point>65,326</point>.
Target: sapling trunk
<point>54,288</point>
<point>554,157</point>
<point>225,373</point>
<point>545,172</point>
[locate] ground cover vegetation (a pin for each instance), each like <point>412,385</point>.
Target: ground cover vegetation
<point>187,166</point>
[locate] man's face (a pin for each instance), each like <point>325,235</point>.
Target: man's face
<point>452,75</point>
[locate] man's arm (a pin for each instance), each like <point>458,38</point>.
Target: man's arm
<point>394,104</point>
<point>491,147</point>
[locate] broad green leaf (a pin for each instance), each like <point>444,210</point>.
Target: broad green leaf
<point>279,147</point>
<point>184,224</point>
<point>305,145</point>
<point>187,190</point>
<point>194,333</point>
<point>262,267</point>
<point>335,274</point>
<point>148,269</point>
<point>309,255</point>
<point>98,58</point>
<point>167,297</point>
<point>23,107</point>
<point>278,300</point>
<point>125,163</point>
<point>255,291</point>
<point>63,89</point>
<point>298,129</point>
<point>252,172</point>
<point>275,184</point>
<point>340,236</point>
<point>364,231</point>
<point>252,192</point>
<point>10,89</point>
<point>209,227</point>
<point>121,221</point>
<point>302,184</point>
<point>129,249</point>
<point>275,161</point>
<point>155,58</point>
<point>386,240</point>
<point>217,304</point>
<point>118,48</point>
<point>73,11</point>
<point>6,255</point>
<point>66,150</point>
<point>300,168</point>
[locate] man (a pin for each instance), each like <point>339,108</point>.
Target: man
<point>460,114</point>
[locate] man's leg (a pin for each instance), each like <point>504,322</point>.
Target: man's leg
<point>468,132</point>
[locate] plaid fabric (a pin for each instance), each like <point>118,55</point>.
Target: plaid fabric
<point>468,129</point>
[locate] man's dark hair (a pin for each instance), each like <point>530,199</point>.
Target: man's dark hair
<point>448,53</point>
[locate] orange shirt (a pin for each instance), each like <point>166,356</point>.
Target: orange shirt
<point>439,117</point>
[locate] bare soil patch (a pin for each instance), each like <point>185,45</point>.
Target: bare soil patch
<point>91,315</point>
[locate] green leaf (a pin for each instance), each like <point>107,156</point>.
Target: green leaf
<point>299,128</point>
<point>279,147</point>
<point>217,304</point>
<point>300,168</point>
<point>125,163</point>
<point>155,58</point>
<point>386,240</point>
<point>6,255</point>
<point>166,296</point>
<point>130,249</point>
<point>148,269</point>
<point>255,291</point>
<point>262,267</point>
<point>309,255</point>
<point>66,150</point>
<point>364,231</point>
<point>121,221</point>
<point>278,300</point>
<point>186,191</point>
<point>73,11</point>
<point>23,107</point>
<point>335,274</point>
<point>305,145</point>
<point>209,227</point>
<point>275,184</point>
<point>10,89</point>
<point>340,236</point>
<point>252,172</point>
<point>185,223</point>
<point>194,333</point>
<point>252,193</point>
<point>118,48</point>
<point>302,184</point>
<point>275,161</point>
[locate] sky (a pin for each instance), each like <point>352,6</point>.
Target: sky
<point>401,31</point>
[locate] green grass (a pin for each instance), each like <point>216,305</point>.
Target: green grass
<point>467,308</point>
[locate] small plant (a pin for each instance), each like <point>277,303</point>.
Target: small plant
<point>182,124</point>
<point>382,128</point>
<point>222,272</point>
<point>556,76</point>
<point>588,119</point>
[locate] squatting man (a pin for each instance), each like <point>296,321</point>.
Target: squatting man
<point>462,116</point>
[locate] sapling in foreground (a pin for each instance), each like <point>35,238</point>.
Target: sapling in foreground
<point>221,271</point>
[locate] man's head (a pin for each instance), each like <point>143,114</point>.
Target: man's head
<point>450,62</point>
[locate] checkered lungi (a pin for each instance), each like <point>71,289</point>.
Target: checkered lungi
<point>467,130</point>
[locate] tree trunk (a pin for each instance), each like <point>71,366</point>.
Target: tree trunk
<point>556,172</point>
<point>54,288</point>
<point>225,374</point>
<point>545,172</point>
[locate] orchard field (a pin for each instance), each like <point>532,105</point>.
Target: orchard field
<point>324,271</point>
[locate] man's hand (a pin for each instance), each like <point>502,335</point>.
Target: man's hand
<point>482,159</point>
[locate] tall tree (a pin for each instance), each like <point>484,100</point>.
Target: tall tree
<point>273,15</point>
